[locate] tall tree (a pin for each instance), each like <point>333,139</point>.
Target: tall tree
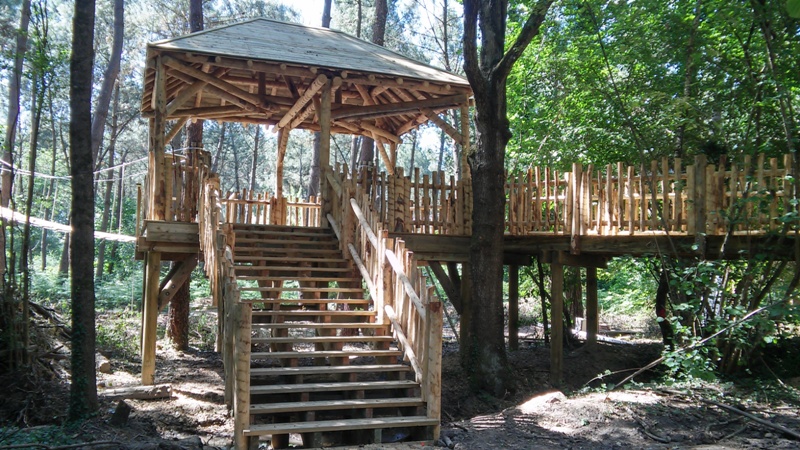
<point>109,79</point>
<point>483,346</point>
<point>11,127</point>
<point>313,181</point>
<point>83,390</point>
<point>178,327</point>
<point>367,153</point>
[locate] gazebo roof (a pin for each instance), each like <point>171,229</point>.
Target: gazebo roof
<point>271,72</point>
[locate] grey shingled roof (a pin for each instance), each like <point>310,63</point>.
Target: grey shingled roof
<point>275,41</point>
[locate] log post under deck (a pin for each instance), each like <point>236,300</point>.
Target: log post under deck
<point>557,322</point>
<point>513,307</point>
<point>592,321</point>
<point>150,317</point>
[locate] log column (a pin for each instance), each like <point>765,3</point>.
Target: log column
<point>557,322</point>
<point>156,211</point>
<point>592,320</point>
<point>325,151</point>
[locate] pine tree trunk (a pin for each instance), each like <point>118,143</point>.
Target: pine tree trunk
<point>109,185</point>
<point>83,389</point>
<point>109,78</point>
<point>254,165</point>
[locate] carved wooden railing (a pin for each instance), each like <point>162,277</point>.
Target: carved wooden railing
<point>397,286</point>
<point>248,207</point>
<point>664,196</point>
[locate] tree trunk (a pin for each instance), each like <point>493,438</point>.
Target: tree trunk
<point>109,78</point>
<point>178,320</point>
<point>483,344</point>
<point>7,177</point>
<point>367,154</point>
<point>83,389</point>
<point>254,165</point>
<point>52,190</point>
<point>109,185</point>
<point>314,174</point>
<point>116,225</point>
<point>220,145</point>
<point>63,262</point>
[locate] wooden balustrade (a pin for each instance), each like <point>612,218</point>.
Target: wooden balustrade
<point>247,207</point>
<point>663,196</point>
<point>398,287</point>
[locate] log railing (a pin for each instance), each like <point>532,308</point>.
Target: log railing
<point>748,196</point>
<point>397,286</point>
<point>247,207</point>
<point>234,317</point>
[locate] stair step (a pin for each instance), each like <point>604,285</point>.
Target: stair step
<point>283,268</point>
<point>312,313</point>
<point>321,339</point>
<point>300,278</point>
<point>331,387</point>
<point>339,425</point>
<point>326,242</point>
<point>326,370</point>
<point>288,259</point>
<point>307,301</point>
<point>285,250</point>
<point>324,354</point>
<point>300,289</point>
<point>319,326</point>
<point>274,408</point>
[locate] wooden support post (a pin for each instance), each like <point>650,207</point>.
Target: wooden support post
<point>513,307</point>
<point>283,141</point>
<point>556,322</point>
<point>434,310</point>
<point>592,319</point>
<point>700,203</point>
<point>150,317</point>
<point>325,152</point>
<point>158,200</point>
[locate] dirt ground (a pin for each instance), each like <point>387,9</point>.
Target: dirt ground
<point>535,416</point>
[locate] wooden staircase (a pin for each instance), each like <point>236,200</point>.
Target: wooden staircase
<point>323,364</point>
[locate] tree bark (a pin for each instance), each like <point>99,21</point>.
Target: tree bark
<point>254,165</point>
<point>109,185</point>
<point>178,320</point>
<point>83,389</point>
<point>109,78</point>
<point>7,178</point>
<point>313,176</point>
<point>483,342</point>
<point>367,154</point>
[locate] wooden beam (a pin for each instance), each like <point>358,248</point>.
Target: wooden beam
<point>221,93</point>
<point>598,262</point>
<point>157,133</point>
<point>391,109</point>
<point>176,129</point>
<point>592,319</point>
<point>379,132</point>
<point>183,269</point>
<point>452,287</point>
<point>150,317</point>
<point>384,156</point>
<point>513,307</point>
<point>185,95</point>
<point>224,85</point>
<point>283,141</point>
<point>446,127</point>
<point>313,88</point>
<point>325,148</point>
<point>556,323</point>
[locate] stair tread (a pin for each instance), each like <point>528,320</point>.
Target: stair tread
<point>310,370</point>
<point>320,339</point>
<point>341,424</point>
<point>313,313</point>
<point>284,250</point>
<point>332,387</point>
<point>298,278</point>
<point>324,354</point>
<point>284,268</point>
<point>238,258</point>
<point>328,240</point>
<point>324,326</point>
<point>285,301</point>
<point>301,289</point>
<point>273,408</point>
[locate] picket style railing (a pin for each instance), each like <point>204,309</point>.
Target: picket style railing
<point>248,207</point>
<point>399,289</point>
<point>748,196</point>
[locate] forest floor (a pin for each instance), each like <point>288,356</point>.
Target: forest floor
<point>536,416</point>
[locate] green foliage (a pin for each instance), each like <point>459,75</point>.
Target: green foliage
<point>118,333</point>
<point>51,435</point>
<point>627,286</point>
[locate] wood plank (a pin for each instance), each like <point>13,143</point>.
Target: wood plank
<point>339,425</point>
<point>331,387</point>
<point>319,326</point>
<point>321,339</point>
<point>311,370</point>
<point>313,313</point>
<point>328,405</point>
<point>325,354</point>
